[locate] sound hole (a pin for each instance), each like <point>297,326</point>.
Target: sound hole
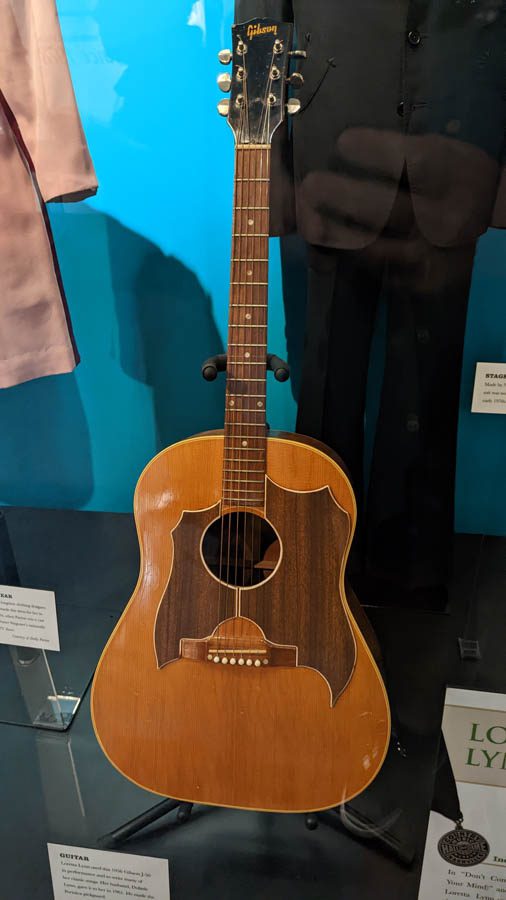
<point>241,549</point>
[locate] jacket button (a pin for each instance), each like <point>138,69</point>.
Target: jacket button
<point>400,109</point>
<point>413,423</point>
<point>414,38</point>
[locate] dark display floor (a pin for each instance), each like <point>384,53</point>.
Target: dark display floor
<point>60,787</point>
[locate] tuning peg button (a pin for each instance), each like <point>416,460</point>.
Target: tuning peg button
<point>296,80</point>
<point>223,107</point>
<point>293,106</point>
<point>224,82</point>
<point>225,56</point>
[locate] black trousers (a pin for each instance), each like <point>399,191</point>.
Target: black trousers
<point>405,512</point>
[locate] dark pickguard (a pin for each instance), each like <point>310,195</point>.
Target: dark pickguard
<point>194,603</point>
<point>301,603</point>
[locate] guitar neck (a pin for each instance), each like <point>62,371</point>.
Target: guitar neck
<point>245,423</point>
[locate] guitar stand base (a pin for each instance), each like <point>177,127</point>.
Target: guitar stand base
<point>355,823</point>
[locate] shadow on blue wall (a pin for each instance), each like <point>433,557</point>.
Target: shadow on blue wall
<point>143,318</point>
<point>166,330</point>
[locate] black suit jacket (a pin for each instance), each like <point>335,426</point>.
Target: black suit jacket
<point>392,85</point>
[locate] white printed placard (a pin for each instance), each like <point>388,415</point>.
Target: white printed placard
<point>470,861</point>
<point>489,395</point>
<point>28,618</point>
<point>104,875</point>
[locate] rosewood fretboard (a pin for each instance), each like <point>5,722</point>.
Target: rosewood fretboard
<point>245,424</point>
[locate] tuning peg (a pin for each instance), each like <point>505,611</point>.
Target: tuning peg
<point>296,80</point>
<point>223,107</point>
<point>225,56</point>
<point>293,106</point>
<point>224,82</point>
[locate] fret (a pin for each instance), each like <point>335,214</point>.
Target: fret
<point>241,459</point>
<point>247,437</point>
<point>245,395</point>
<point>244,481</point>
<point>249,325</point>
<point>246,449</point>
<point>247,425</point>
<point>241,259</point>
<point>244,490</point>
<point>230,503</point>
<point>250,282</point>
<point>249,234</point>
<point>252,179</point>
<point>248,305</point>
<point>240,471</point>
<point>251,207</point>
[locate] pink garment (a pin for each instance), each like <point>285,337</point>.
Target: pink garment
<point>43,156</point>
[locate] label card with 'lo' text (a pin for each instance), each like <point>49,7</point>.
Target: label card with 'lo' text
<point>467,859</point>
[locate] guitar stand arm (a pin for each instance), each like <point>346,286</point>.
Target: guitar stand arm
<point>218,363</point>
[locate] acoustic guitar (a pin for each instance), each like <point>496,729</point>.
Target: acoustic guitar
<point>238,675</point>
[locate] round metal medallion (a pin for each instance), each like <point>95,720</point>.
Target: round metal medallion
<point>462,847</point>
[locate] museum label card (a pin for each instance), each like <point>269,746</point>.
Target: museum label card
<point>104,875</point>
<point>28,618</point>
<point>470,861</point>
<point>489,395</point>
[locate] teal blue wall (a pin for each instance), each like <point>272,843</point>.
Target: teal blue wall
<point>145,265</point>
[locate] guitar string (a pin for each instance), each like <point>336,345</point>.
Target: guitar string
<point>257,253</point>
<point>247,213</point>
<point>262,137</point>
<point>240,416</point>
<point>224,476</point>
<point>229,430</point>
<point>240,173</point>
<point>237,421</point>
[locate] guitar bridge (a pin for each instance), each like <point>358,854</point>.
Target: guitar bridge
<point>241,644</point>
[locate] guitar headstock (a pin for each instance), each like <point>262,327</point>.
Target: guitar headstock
<point>260,59</point>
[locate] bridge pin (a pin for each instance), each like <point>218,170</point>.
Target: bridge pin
<point>233,661</point>
<point>224,660</point>
<point>249,662</point>
<point>240,661</point>
<point>258,663</point>
<point>216,659</point>
<point>210,656</point>
<point>266,662</point>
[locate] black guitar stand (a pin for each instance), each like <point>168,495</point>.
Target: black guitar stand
<point>215,364</point>
<point>352,820</point>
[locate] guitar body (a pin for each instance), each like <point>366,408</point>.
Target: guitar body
<point>296,718</point>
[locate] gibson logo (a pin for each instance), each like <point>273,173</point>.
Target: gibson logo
<point>255,30</point>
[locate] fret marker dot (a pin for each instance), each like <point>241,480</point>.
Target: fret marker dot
<point>249,272</point>
<point>250,222</point>
<point>232,403</point>
<point>244,443</point>
<point>248,315</point>
<point>247,355</point>
<point>260,404</point>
